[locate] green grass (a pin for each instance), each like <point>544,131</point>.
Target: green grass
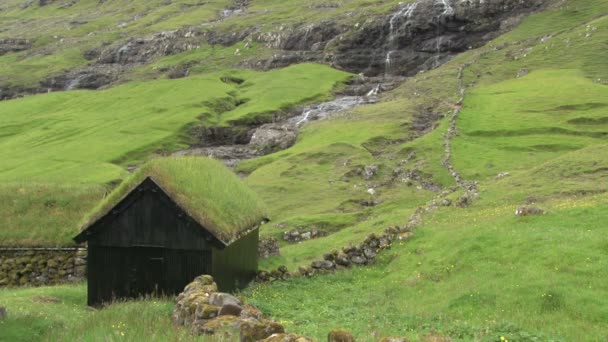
<point>208,191</point>
<point>528,119</point>
<point>44,214</point>
<point>474,274</point>
<point>477,273</point>
<point>88,137</point>
<point>60,313</point>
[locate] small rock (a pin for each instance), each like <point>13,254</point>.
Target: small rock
<point>371,191</point>
<point>358,260</point>
<point>528,210</point>
<point>503,175</point>
<point>394,339</point>
<point>523,72</point>
<point>326,264</point>
<point>340,336</point>
<point>369,253</point>
<point>370,171</point>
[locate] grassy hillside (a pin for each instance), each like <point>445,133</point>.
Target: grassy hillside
<point>535,107</point>
<point>65,30</point>
<point>87,138</point>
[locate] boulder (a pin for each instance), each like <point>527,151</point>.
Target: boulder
<point>251,332</point>
<point>220,299</point>
<point>340,336</point>
<point>273,137</point>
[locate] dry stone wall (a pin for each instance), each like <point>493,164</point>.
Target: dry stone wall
<point>41,266</point>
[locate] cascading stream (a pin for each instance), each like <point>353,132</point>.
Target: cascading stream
<point>406,12</point>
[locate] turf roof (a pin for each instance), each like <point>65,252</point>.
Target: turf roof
<point>204,188</point>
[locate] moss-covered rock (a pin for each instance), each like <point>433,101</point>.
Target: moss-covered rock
<point>206,311</point>
<point>251,332</point>
<point>340,336</point>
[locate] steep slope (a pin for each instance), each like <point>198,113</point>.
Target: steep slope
<point>530,131</point>
<point>520,120</point>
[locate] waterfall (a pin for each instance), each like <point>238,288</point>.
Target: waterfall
<point>405,13</point>
<point>374,91</point>
<point>73,83</point>
<point>447,8</point>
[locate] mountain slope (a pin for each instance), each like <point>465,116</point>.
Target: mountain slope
<point>518,121</point>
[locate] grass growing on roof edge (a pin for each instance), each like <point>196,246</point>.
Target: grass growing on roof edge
<point>208,191</point>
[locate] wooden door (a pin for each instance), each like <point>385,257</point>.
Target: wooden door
<point>149,271</point>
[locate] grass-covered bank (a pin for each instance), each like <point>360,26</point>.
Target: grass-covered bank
<point>473,275</point>
<point>61,150</point>
<point>60,314</point>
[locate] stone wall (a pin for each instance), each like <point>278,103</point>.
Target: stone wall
<point>41,266</point>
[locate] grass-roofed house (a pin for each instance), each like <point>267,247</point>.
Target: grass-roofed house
<point>172,220</point>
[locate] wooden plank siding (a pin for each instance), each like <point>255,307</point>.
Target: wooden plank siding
<point>120,272</point>
<point>236,265</point>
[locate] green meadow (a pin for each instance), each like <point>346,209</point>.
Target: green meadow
<point>87,138</point>
<point>535,111</point>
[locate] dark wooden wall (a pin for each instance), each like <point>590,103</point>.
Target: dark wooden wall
<point>121,272</point>
<point>148,217</point>
<point>236,265</point>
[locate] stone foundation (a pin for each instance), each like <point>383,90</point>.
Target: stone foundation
<point>41,266</point>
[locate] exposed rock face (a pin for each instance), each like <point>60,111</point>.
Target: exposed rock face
<point>273,137</point>
<point>423,35</point>
<point>141,50</point>
<point>13,45</point>
<point>92,77</point>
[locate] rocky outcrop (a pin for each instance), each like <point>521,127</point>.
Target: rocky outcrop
<point>41,266</point>
<point>13,45</point>
<point>270,138</point>
<point>91,77</point>
<point>142,50</point>
<point>422,35</point>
